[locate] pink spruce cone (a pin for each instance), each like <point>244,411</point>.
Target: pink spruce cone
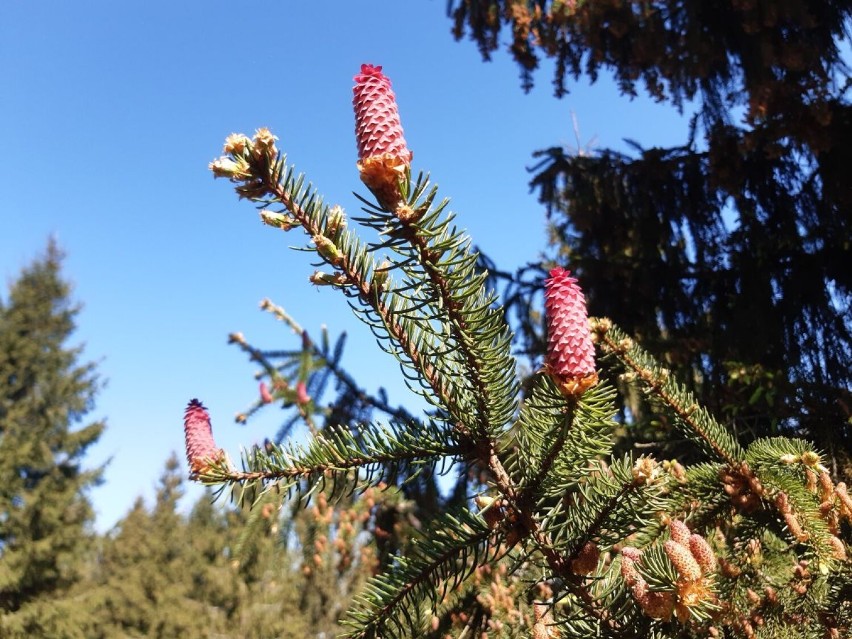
<point>570,358</point>
<point>201,450</point>
<point>265,395</point>
<point>377,126</point>
<point>302,396</point>
<point>383,155</point>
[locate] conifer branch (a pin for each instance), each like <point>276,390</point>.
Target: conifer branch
<point>693,419</point>
<point>262,175</point>
<point>561,495</point>
<point>436,255</point>
<point>378,453</point>
<point>453,547</point>
<point>551,450</point>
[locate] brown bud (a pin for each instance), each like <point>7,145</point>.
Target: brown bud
<point>826,486</point>
<point>810,480</point>
<point>543,621</point>
<point>586,560</point>
<point>755,485</point>
<point>782,503</point>
<point>728,569</point>
<point>632,553</point>
<point>629,572</point>
<point>845,500</point>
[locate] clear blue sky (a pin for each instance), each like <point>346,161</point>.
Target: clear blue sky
<point>110,113</point>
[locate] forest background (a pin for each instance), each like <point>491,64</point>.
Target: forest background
<point>119,109</point>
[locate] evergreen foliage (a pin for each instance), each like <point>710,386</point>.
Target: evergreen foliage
<point>725,256</point>
<point>162,574</point>
<point>550,532</point>
<point>45,513</point>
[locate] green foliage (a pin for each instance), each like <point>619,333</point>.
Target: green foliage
<point>162,574</point>
<point>546,515</point>
<point>44,511</point>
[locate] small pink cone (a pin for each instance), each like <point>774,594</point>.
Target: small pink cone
<point>378,129</point>
<point>201,450</point>
<point>383,155</point>
<point>265,395</point>
<point>302,396</point>
<point>570,358</point>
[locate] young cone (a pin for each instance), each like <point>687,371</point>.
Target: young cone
<point>201,450</point>
<point>570,358</point>
<point>383,155</point>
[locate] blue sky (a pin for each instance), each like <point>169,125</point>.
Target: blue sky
<point>110,113</point>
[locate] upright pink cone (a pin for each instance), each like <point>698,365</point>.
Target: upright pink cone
<point>383,155</point>
<point>570,359</point>
<point>302,396</point>
<point>201,450</point>
<point>265,395</point>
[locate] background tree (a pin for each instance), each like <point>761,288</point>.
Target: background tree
<point>726,256</point>
<point>44,511</point>
<point>162,573</point>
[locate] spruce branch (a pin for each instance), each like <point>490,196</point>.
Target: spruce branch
<point>453,547</point>
<point>552,450</point>
<point>264,177</point>
<point>440,271</point>
<point>344,459</point>
<point>555,500</point>
<point>695,422</point>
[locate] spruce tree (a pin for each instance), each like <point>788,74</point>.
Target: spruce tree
<point>727,255</point>
<point>45,512</point>
<point>557,534</point>
<point>162,574</point>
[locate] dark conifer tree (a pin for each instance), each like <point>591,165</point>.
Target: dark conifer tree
<point>727,256</point>
<point>45,392</point>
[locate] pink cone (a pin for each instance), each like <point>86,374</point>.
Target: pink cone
<point>302,396</point>
<point>570,358</point>
<point>265,395</point>
<point>201,450</point>
<point>377,126</point>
